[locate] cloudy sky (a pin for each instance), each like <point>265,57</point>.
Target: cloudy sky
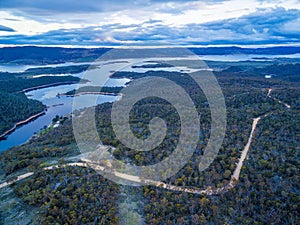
<point>149,22</point>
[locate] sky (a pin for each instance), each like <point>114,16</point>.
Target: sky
<point>149,22</point>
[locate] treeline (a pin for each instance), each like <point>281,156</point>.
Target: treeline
<point>56,70</point>
<point>15,106</point>
<point>94,89</point>
<point>156,65</point>
<point>12,84</point>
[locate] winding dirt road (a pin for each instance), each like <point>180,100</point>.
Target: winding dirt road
<point>194,190</point>
<point>89,164</point>
<point>237,171</point>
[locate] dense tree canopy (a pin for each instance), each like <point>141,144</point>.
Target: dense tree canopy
<point>267,192</point>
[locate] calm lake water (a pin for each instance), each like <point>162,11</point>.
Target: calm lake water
<point>57,106</point>
<point>16,68</point>
<point>63,105</point>
<point>10,67</point>
<point>97,77</point>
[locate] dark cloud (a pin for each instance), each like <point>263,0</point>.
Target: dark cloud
<point>8,29</point>
<point>10,19</point>
<point>263,25</point>
<point>39,7</point>
<point>259,21</point>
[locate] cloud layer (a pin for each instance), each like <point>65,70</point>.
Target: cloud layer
<point>174,22</point>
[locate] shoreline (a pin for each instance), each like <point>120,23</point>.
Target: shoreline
<point>20,123</point>
<point>47,85</point>
<point>33,117</point>
<point>89,93</point>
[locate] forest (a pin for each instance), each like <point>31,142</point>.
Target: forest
<point>14,105</point>
<point>267,192</point>
<point>94,89</point>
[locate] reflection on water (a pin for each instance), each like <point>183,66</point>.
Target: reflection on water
<point>63,105</point>
<point>56,106</point>
<point>15,68</point>
<point>99,76</point>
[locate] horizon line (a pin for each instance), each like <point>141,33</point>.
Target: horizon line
<point>153,46</point>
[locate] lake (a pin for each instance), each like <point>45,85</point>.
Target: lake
<point>97,77</point>
<point>12,68</point>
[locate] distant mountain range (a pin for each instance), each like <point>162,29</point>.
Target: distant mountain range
<point>46,55</point>
<point>284,50</point>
